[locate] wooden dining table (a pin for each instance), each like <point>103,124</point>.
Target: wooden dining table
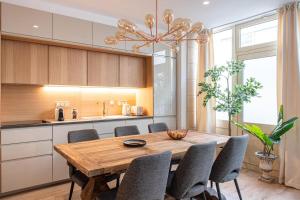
<point>102,157</point>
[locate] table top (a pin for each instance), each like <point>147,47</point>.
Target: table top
<point>109,155</point>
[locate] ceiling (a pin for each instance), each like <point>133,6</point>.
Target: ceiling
<point>217,13</point>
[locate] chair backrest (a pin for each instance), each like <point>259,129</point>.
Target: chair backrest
<point>146,178</point>
<point>193,169</point>
<point>82,135</point>
<point>230,159</point>
<point>126,130</point>
<point>157,127</point>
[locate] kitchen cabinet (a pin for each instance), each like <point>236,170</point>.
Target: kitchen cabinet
<point>103,69</point>
<point>26,157</point>
<point>25,21</point>
<point>60,136</point>
<point>23,135</point>
<point>107,129</point>
<point>164,86</point>
<point>24,63</point>
<point>171,121</point>
<point>24,173</point>
<point>101,31</point>
<point>67,66</point>
<point>142,124</point>
<point>26,150</point>
<point>72,29</point>
<point>132,71</point>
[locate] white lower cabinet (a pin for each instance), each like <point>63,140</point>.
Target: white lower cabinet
<point>171,121</point>
<point>60,136</point>
<point>24,173</point>
<point>106,129</point>
<point>142,124</point>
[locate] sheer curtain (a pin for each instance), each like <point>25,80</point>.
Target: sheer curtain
<point>289,91</point>
<point>206,116</point>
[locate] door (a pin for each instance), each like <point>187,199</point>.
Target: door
<point>103,69</point>
<point>132,71</point>
<point>67,66</point>
<point>24,62</point>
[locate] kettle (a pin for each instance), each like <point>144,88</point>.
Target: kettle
<point>126,109</point>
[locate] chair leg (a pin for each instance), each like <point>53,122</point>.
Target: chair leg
<point>211,184</point>
<point>218,191</point>
<point>118,182</point>
<point>238,188</point>
<point>203,195</point>
<point>71,190</point>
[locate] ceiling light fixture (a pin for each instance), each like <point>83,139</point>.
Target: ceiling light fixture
<point>177,30</point>
<point>35,26</point>
<point>206,3</point>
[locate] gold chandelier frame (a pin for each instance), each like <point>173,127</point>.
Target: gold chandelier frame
<point>178,30</point>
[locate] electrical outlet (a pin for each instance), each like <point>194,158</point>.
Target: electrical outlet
<point>62,104</point>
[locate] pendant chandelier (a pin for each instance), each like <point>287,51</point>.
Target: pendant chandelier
<point>177,30</point>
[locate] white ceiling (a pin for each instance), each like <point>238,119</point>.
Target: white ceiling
<point>218,12</point>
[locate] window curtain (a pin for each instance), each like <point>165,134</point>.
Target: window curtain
<point>289,91</point>
<point>206,116</point>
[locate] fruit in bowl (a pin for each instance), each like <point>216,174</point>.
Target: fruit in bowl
<point>177,134</point>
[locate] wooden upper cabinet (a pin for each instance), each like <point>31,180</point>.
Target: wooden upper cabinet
<point>103,69</point>
<point>72,29</point>
<point>24,63</point>
<point>132,71</point>
<point>67,66</point>
<point>26,21</point>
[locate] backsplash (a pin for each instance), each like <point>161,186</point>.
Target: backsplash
<point>22,102</point>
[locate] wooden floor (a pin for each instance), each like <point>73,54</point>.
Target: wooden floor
<point>251,188</point>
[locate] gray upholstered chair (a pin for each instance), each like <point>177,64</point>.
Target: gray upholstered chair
<point>145,179</point>
<point>229,162</point>
<point>157,127</point>
<point>126,130</point>
<point>191,177</point>
<point>75,175</point>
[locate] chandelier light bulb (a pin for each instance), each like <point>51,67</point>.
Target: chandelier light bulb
<point>168,16</point>
<point>127,26</point>
<point>149,21</point>
<point>111,40</point>
<point>197,27</point>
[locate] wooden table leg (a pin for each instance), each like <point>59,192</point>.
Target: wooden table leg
<point>94,186</point>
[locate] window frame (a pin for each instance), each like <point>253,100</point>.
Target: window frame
<point>243,53</point>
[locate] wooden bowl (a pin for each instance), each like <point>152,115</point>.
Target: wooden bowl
<point>177,134</point>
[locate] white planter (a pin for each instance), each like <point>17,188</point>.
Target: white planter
<point>266,166</point>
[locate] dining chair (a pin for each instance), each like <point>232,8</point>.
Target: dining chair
<point>126,130</point>
<point>75,175</point>
<point>228,163</point>
<point>145,179</point>
<point>191,177</point>
<point>157,127</point>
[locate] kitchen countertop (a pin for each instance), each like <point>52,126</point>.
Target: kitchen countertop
<point>34,123</point>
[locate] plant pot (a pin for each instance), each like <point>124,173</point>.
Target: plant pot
<point>266,166</point>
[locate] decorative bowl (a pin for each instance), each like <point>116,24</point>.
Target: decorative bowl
<point>177,134</point>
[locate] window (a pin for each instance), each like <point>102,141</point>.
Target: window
<point>262,109</point>
<point>255,43</point>
<point>222,54</point>
<point>258,34</point>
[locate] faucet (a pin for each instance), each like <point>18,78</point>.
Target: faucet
<point>104,109</point>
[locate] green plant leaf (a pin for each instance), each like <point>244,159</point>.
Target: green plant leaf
<point>257,132</point>
<point>282,129</point>
<point>280,115</point>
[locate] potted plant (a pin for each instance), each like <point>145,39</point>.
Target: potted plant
<point>227,99</point>
<point>267,156</point>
